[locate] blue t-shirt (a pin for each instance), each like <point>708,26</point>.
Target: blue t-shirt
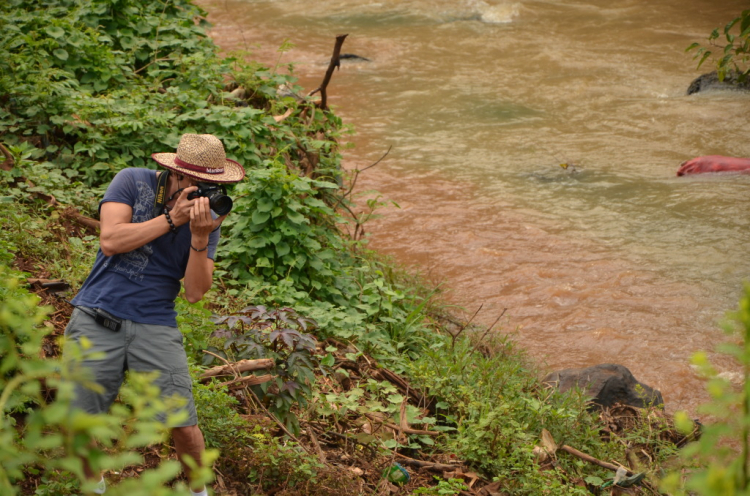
<point>141,285</point>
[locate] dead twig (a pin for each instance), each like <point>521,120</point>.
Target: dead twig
<point>591,459</point>
<point>490,327</point>
<point>423,464</point>
<point>235,368</point>
<point>405,430</point>
<point>356,175</point>
<point>335,63</point>
<point>457,334</point>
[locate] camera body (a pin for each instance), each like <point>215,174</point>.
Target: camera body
<point>217,197</point>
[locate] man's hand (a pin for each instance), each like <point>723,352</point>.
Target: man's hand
<point>181,210</point>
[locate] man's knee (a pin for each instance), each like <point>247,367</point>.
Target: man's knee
<point>188,439</point>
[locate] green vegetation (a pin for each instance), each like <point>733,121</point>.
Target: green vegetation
<point>734,54</point>
<point>43,436</point>
<point>721,457</point>
<point>362,359</point>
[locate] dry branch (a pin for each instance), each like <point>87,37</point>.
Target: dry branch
<point>73,214</point>
<point>8,163</point>
<point>406,429</point>
<point>237,368</point>
<point>250,380</point>
<point>423,464</point>
<point>591,459</point>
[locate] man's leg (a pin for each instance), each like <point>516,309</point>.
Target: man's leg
<point>189,441</point>
<point>159,348</point>
<point>107,371</point>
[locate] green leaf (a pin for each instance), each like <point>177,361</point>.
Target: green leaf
<point>282,249</point>
<point>60,53</point>
<point>55,31</point>
<point>705,56</point>
<point>260,217</point>
<point>594,481</point>
<point>295,217</point>
<point>264,205</point>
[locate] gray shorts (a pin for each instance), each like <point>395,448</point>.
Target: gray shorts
<point>136,347</point>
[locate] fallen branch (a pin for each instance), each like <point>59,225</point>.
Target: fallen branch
<point>405,430</point>
<point>250,380</point>
<point>591,459</point>
<point>237,368</point>
<point>423,464</point>
<point>73,214</point>
<point>8,163</point>
<point>335,62</point>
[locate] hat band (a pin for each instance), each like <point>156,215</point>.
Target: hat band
<point>198,168</point>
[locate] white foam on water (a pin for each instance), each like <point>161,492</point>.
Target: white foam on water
<point>503,13</point>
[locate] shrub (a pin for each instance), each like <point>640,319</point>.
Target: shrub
<point>735,53</point>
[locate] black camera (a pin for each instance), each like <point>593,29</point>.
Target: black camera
<point>217,197</point>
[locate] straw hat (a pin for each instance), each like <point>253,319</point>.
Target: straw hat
<point>202,157</point>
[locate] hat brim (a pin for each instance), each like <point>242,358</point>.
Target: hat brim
<point>233,171</point>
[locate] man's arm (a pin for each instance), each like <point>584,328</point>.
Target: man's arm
<point>200,268</point>
<point>118,234</point>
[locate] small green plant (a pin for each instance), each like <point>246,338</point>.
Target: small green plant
<point>721,455</point>
<point>735,53</point>
<point>450,487</point>
<point>257,332</point>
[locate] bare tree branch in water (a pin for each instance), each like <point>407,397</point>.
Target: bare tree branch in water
<point>335,62</point>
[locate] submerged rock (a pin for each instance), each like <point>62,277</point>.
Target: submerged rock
<point>353,57</point>
<point>606,384</point>
<point>711,81</point>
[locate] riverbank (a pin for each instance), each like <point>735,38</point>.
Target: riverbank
<point>361,367</point>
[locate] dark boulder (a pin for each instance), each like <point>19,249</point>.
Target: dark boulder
<point>711,81</point>
<point>606,384</point>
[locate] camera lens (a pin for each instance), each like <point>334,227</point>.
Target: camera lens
<point>221,204</point>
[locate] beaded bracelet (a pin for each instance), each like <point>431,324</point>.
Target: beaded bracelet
<point>172,227</point>
<point>196,249</point>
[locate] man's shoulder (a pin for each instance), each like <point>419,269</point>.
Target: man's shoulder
<point>137,172</point>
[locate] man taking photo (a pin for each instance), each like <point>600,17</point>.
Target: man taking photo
<point>157,229</point>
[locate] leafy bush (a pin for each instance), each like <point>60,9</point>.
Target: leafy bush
<point>283,231</point>
<point>735,54</point>
<point>98,85</point>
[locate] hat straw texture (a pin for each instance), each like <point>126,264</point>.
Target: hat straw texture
<point>202,156</point>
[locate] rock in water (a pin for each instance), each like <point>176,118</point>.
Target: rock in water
<point>711,81</point>
<point>606,384</point>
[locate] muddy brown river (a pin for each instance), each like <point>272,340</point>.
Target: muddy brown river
<point>613,259</point>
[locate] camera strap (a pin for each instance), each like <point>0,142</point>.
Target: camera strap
<point>160,199</point>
